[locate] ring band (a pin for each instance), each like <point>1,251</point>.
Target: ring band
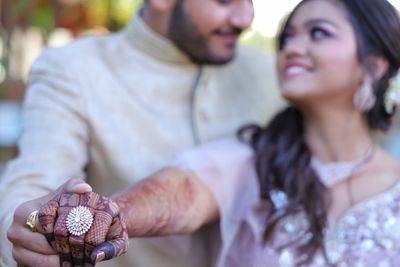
<point>31,221</point>
<point>79,220</point>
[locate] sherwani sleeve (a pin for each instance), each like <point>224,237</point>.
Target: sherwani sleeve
<point>52,146</point>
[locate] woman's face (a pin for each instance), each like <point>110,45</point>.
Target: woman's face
<point>318,58</point>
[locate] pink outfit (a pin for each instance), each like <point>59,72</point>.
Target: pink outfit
<point>367,235</point>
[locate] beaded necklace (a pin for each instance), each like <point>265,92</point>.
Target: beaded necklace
<point>332,173</point>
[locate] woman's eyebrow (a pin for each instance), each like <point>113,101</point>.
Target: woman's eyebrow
<point>313,22</point>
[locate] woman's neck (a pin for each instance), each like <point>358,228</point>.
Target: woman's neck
<point>334,135</point>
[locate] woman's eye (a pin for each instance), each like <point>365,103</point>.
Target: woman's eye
<point>284,39</point>
<point>318,33</point>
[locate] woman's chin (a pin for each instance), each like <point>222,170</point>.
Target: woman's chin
<point>292,96</point>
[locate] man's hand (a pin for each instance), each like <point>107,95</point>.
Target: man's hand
<point>31,248</point>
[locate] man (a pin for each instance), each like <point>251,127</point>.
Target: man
<point>115,108</point>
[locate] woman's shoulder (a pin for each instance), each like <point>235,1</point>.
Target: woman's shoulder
<point>380,180</point>
<point>387,167</point>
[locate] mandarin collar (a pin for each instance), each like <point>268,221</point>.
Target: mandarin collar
<point>142,37</point>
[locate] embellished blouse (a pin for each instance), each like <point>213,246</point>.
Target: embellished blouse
<point>368,234</point>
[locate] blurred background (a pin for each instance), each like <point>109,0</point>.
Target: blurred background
<point>27,26</point>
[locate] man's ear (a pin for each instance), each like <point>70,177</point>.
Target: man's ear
<point>157,14</point>
<point>379,66</point>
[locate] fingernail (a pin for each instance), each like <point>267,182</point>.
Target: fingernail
<point>81,186</point>
<point>100,256</point>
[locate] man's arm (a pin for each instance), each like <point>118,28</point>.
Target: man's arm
<point>170,201</point>
<point>52,147</point>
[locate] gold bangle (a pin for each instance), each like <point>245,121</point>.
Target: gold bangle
<point>31,221</point>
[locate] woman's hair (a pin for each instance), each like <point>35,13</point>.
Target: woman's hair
<point>282,155</point>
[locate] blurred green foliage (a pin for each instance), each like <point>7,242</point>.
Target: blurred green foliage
<point>79,15</point>
<point>113,14</point>
<point>121,11</point>
<point>43,18</point>
<point>255,38</point>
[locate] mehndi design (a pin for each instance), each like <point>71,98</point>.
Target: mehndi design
<point>105,239</point>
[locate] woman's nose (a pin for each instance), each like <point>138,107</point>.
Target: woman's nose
<point>295,45</point>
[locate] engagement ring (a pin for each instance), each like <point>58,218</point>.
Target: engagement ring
<point>79,220</point>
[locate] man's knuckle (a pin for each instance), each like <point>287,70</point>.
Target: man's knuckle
<point>11,234</point>
<point>17,213</point>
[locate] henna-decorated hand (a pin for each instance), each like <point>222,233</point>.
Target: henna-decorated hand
<point>106,238</point>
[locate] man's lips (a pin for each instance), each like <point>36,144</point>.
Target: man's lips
<point>230,39</point>
<point>229,36</point>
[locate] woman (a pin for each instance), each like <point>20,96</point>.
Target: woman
<point>315,190</point>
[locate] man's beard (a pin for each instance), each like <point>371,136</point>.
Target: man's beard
<point>185,35</point>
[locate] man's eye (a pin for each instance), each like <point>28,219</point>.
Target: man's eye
<point>224,2</point>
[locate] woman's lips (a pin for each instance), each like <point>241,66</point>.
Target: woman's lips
<point>295,70</point>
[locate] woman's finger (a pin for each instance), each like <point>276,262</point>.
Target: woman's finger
<point>67,202</point>
<point>117,243</point>
<point>106,210</point>
<point>98,232</point>
<point>48,212</point>
<point>46,219</point>
<point>77,245</point>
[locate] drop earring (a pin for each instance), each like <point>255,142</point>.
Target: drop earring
<point>364,99</point>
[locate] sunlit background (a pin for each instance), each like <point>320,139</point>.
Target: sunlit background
<point>270,12</point>
<point>27,26</point>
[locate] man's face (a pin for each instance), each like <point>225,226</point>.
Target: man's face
<point>208,30</point>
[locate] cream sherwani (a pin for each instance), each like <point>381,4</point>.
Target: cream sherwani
<point>116,108</point>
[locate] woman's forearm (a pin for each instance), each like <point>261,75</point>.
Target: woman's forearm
<point>170,201</point>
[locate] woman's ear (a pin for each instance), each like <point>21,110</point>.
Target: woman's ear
<point>379,66</point>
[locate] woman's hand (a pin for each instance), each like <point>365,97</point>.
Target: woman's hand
<point>106,238</point>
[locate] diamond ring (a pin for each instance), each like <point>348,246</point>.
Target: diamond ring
<point>79,220</point>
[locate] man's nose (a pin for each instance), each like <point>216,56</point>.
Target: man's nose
<point>242,14</point>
